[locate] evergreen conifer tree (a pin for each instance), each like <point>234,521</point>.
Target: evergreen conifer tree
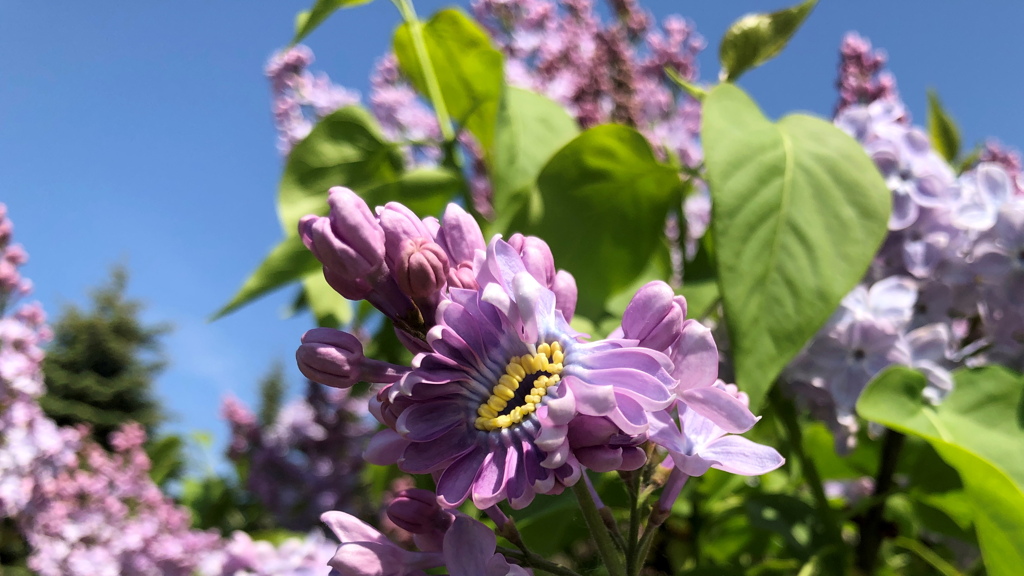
<point>102,362</point>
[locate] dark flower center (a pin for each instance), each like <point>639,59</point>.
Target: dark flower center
<point>521,388</point>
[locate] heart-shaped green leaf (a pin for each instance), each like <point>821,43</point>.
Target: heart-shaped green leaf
<point>798,211</point>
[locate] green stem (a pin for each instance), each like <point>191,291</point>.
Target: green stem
<point>644,547</point>
<point>871,524</point>
<point>928,555</point>
<point>598,530</point>
<point>408,12</point>
<point>633,487</point>
<point>532,560</point>
<point>829,520</point>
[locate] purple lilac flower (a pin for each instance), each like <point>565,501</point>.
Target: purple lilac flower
<point>488,408</point>
<point>242,556</point>
<point>862,79</point>
<point>301,98</point>
<point>309,459</point>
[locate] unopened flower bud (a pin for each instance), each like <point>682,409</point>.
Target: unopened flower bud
<point>335,358</point>
<point>460,235</point>
<point>422,268</point>
<point>654,316</point>
<point>417,511</point>
<point>536,256</point>
<point>463,276</point>
<point>399,224</point>
<point>565,291</point>
<point>349,242</point>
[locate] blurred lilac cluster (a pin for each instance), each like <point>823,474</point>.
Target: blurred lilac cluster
<point>240,555</point>
<point>945,288</point>
<point>105,516</point>
<point>87,512</point>
<point>600,72</point>
<point>33,449</point>
<point>301,97</point>
<point>308,460</point>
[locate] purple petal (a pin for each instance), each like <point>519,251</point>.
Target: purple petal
<point>348,528</point>
<point>695,357</point>
<point>721,408</point>
<point>424,457</point>
<point>738,455</point>
<point>457,479</point>
<point>468,546</point>
<point>489,486</point>
<point>385,448</point>
<point>429,420</point>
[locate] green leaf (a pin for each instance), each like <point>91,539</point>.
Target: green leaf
<point>756,38</point>
<point>469,70</point>
<point>604,200</point>
<point>345,148</point>
<point>530,129</point>
<point>425,191</point>
<point>307,20</point>
<point>288,262</point>
<point>944,134</point>
<point>978,430</point>
<point>328,307</point>
<point>799,210</point>
<point>166,457</point>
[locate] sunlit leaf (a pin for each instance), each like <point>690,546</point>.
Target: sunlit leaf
<point>288,262</point>
<point>944,134</point>
<point>756,38</point>
<point>604,200</point>
<point>307,20</point>
<point>979,431</point>
<point>799,210</point>
<point>468,68</point>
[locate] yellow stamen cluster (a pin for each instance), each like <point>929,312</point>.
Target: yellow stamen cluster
<point>548,360</point>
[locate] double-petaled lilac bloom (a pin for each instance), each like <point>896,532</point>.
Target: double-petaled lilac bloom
<point>488,409</point>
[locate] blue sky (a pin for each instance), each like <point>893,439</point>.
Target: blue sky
<point>140,133</point>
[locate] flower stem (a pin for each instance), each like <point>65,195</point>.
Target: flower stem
<point>633,489</point>
<point>534,561</point>
<point>831,525</point>
<point>598,530</point>
<point>871,524</point>
<point>419,45</point>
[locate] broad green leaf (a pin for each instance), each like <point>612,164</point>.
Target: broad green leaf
<point>288,262</point>
<point>756,38</point>
<point>345,148</point>
<point>944,134</point>
<point>983,414</point>
<point>530,129</point>
<point>328,307</point>
<point>798,212</point>
<point>978,430</point>
<point>604,200</point>
<point>307,20</point>
<point>469,70</point>
<point>426,191</point>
